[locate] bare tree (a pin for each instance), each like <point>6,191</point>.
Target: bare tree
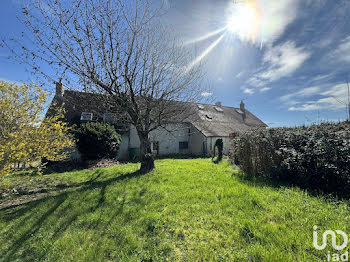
<point>120,49</point>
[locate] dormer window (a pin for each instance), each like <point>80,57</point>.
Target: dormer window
<point>86,116</point>
<point>109,118</point>
<point>239,111</point>
<point>209,117</point>
<point>219,109</point>
<point>200,107</point>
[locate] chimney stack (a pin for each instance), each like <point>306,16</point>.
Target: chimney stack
<point>241,106</point>
<point>59,88</point>
<point>218,103</point>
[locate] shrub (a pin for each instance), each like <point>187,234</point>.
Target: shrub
<point>27,136</point>
<point>316,157</point>
<point>97,140</point>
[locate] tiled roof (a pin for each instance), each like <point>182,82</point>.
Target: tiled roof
<point>225,122</point>
<point>206,118</point>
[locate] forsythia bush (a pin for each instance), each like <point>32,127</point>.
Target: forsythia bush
<point>26,136</point>
<point>316,157</point>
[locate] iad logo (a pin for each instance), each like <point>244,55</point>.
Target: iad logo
<point>335,256</point>
<point>334,239</point>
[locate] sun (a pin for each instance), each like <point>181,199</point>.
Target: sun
<point>244,20</point>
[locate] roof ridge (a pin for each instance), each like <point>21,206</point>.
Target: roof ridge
<point>197,103</point>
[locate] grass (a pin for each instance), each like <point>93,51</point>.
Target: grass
<point>185,210</point>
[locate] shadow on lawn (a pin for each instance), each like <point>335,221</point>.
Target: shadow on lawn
<point>254,181</point>
<point>27,211</point>
<point>257,181</point>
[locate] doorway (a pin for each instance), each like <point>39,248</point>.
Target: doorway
<point>155,148</point>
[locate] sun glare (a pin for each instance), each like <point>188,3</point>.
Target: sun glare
<point>244,20</point>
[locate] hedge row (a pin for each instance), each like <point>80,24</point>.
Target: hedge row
<point>316,157</point>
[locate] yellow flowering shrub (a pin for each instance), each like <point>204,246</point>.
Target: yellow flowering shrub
<point>26,135</point>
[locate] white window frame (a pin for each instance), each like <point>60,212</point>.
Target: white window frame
<point>84,114</point>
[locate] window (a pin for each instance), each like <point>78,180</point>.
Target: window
<point>200,107</point>
<point>219,109</point>
<point>109,118</point>
<point>239,111</point>
<point>209,117</point>
<point>86,116</point>
<point>183,145</point>
<point>155,148</point>
<point>155,145</point>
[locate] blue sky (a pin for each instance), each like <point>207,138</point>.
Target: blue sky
<point>288,59</point>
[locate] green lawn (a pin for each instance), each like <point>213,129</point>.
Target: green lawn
<point>185,210</point>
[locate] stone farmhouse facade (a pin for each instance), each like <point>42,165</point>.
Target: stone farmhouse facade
<point>196,136</point>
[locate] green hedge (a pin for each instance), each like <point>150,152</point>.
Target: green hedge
<point>97,141</point>
<point>316,157</point>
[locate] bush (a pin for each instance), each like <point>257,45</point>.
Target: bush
<point>97,140</point>
<point>316,157</point>
<point>23,141</point>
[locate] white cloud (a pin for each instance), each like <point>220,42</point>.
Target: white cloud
<point>321,77</point>
<point>342,52</point>
<point>283,60</point>
<point>240,74</point>
<point>333,98</point>
<point>324,42</point>
<point>276,16</point>
<point>340,91</point>
<point>206,94</point>
<point>306,92</point>
<point>264,89</point>
<point>248,91</point>
<point>305,107</point>
<point>279,61</point>
<point>256,81</point>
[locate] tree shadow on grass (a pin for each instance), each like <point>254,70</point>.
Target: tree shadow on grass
<point>8,255</point>
<point>179,156</point>
<point>255,181</point>
<point>68,186</point>
<point>69,215</point>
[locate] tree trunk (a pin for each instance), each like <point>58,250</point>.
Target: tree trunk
<point>147,161</point>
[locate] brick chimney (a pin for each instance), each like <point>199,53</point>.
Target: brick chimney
<point>59,89</point>
<point>218,103</point>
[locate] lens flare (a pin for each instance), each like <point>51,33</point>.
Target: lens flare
<point>204,54</point>
<point>202,38</point>
<point>244,20</point>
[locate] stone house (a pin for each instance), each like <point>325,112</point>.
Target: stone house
<point>196,136</point>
